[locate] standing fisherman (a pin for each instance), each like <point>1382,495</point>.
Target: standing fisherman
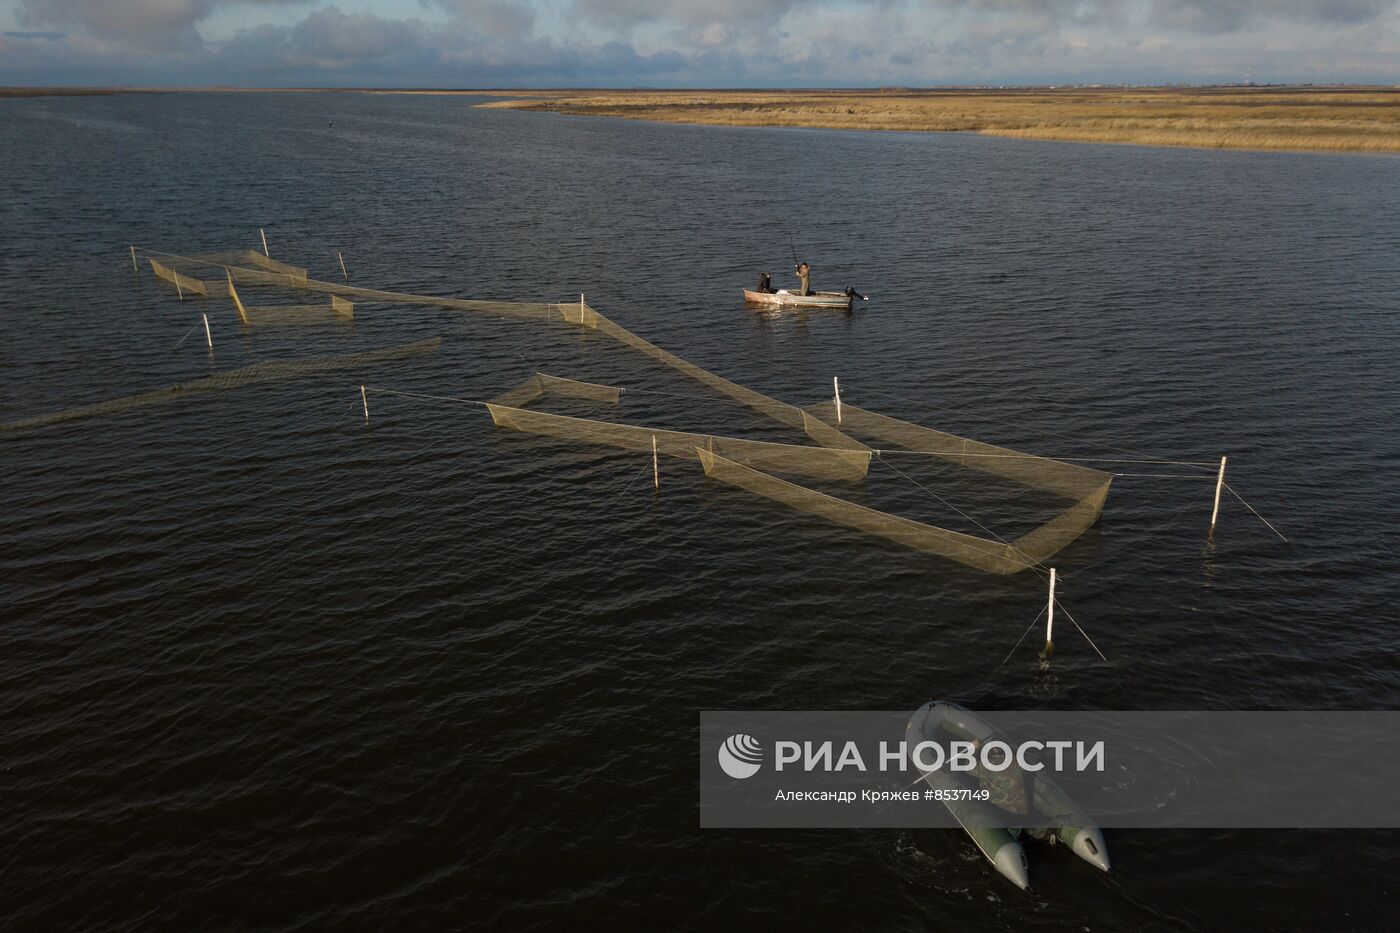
<point>804,272</point>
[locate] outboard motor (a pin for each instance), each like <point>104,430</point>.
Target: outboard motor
<point>852,293</point>
<point>765,283</point>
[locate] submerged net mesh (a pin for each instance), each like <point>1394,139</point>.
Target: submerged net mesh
<point>739,462</point>
<point>257,374</point>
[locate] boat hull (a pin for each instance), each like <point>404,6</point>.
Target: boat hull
<point>784,299</point>
<point>984,822</point>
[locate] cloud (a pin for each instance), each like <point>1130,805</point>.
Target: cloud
<point>330,46</point>
<point>142,24</point>
<point>126,16</point>
<point>336,39</point>
<point>495,43</point>
<point>1214,16</point>
<point>499,19</point>
<point>737,13</point>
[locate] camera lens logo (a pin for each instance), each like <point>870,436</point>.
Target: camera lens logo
<point>741,756</point>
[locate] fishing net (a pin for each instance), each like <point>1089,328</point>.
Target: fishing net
<point>820,462</point>
<point>210,274</point>
<point>991,556</point>
<point>507,411</point>
<point>253,257</point>
<point>790,415</point>
<point>288,314</point>
<point>1067,480</point>
<point>183,272</point>
<point>747,464</point>
<point>542,384</point>
<point>257,374</point>
<point>1086,488</point>
<point>185,284</point>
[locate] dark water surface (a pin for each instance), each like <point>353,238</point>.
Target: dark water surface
<point>263,667</point>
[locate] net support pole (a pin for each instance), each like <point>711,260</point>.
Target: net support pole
<point>264,239</point>
<point>178,290</point>
<point>1219,484</point>
<point>1050,616</point>
<point>364,400</point>
<point>581,305</point>
<point>655,467</point>
<point>342,267</point>
<point>836,388</point>
<point>134,267</point>
<point>208,337</point>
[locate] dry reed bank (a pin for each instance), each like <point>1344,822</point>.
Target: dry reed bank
<point>1346,119</point>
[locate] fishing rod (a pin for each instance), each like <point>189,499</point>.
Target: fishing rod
<point>850,292</point>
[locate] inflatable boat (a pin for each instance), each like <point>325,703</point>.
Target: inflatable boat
<point>1021,804</point>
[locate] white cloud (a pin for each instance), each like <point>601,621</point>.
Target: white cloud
<point>707,42</point>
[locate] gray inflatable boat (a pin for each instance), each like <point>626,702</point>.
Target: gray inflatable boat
<point>1026,804</point>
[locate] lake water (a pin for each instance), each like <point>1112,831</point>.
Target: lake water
<point>261,666</point>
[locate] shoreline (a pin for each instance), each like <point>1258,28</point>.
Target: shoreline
<point>1300,119</point>
<point>1304,118</point>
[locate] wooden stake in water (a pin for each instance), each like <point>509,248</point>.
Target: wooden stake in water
<point>836,387</point>
<point>342,267</point>
<point>655,469</point>
<point>264,239</point>
<point>581,306</point>
<point>1219,484</point>
<point>178,290</point>
<point>208,337</point>
<point>134,267</point>
<point>1050,616</point>
<point>364,400</point>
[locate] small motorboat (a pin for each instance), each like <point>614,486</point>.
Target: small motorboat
<point>782,298</point>
<point>997,831</point>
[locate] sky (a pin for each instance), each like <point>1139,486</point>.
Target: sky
<point>695,43</point>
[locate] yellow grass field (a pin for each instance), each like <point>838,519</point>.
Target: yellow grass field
<point>1344,119</point>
